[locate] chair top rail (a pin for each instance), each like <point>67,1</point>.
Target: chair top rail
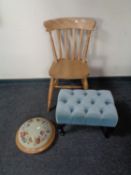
<point>70,23</point>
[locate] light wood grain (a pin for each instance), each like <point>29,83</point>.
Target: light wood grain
<point>66,44</point>
<point>74,44</point>
<point>69,69</point>
<point>85,83</point>
<point>86,45</point>
<point>59,43</point>
<point>68,87</point>
<point>50,93</point>
<point>72,48</point>
<point>64,23</point>
<point>80,46</point>
<point>53,47</point>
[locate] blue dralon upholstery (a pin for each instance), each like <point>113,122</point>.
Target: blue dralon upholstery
<point>86,107</point>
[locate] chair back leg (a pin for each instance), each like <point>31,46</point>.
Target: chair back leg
<point>85,83</point>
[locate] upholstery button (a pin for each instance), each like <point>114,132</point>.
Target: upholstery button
<point>72,93</point>
<point>64,101</point>
<point>98,93</point>
<point>86,110</point>
<point>78,101</point>
<point>85,93</point>
<point>71,110</point>
<point>107,102</point>
<point>101,111</point>
<point>92,102</point>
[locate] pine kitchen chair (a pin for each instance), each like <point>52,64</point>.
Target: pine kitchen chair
<point>69,41</point>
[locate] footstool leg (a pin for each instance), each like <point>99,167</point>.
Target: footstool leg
<point>107,131</point>
<point>60,129</point>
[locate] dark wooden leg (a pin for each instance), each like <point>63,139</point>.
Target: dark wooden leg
<point>107,131</point>
<point>60,129</point>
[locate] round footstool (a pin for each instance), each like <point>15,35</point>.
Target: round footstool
<point>35,135</point>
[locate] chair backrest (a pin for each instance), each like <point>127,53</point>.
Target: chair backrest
<point>70,37</point>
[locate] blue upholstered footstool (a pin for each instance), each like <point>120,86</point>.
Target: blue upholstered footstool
<point>86,107</point>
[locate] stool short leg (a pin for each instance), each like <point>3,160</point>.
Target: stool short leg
<point>107,131</point>
<point>60,129</point>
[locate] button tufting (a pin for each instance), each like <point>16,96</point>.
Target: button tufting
<point>98,93</point>
<point>71,110</point>
<point>72,93</point>
<point>92,102</point>
<point>78,101</point>
<point>64,101</point>
<point>101,111</point>
<point>107,102</point>
<point>86,110</point>
<point>95,107</point>
<point>85,94</point>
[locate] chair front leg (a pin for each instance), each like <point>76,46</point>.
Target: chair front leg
<point>50,93</point>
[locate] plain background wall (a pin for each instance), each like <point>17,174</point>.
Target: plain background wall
<point>24,44</point>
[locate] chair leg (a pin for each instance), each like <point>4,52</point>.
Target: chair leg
<point>56,82</point>
<point>50,93</point>
<point>60,129</point>
<point>85,83</point>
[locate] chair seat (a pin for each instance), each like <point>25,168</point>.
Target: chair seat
<point>69,69</point>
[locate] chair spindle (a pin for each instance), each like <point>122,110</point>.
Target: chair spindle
<point>53,47</point>
<point>86,45</point>
<point>74,44</point>
<point>66,44</point>
<point>80,44</point>
<point>59,43</point>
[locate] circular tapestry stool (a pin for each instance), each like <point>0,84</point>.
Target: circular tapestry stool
<point>35,135</point>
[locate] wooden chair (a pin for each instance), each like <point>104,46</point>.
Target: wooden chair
<point>69,40</point>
